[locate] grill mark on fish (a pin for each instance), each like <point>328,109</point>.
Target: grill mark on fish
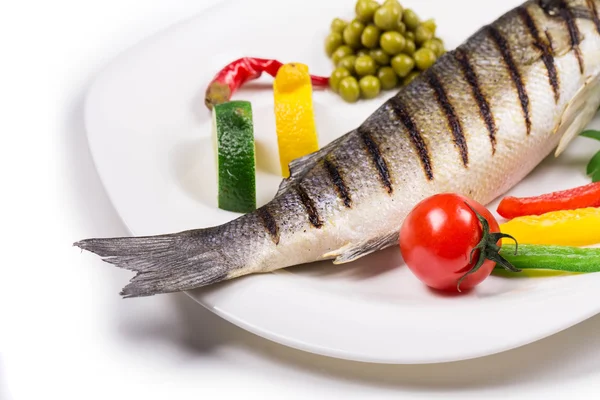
<point>574,34</point>
<point>396,106</point>
<point>550,41</point>
<point>377,158</point>
<point>484,107</point>
<point>594,12</point>
<point>266,218</point>
<point>450,113</point>
<point>338,181</point>
<point>309,206</point>
<point>514,73</point>
<point>546,50</point>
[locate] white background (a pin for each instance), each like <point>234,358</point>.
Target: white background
<point>64,331</point>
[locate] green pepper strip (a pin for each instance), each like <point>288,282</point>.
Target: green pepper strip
<point>557,258</point>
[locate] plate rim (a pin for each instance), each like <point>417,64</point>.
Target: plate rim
<point>241,322</point>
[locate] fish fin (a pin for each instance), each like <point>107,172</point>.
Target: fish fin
<point>354,251</point>
<point>578,113</point>
<point>163,263</point>
<point>300,166</point>
<point>552,40</point>
<point>558,43</point>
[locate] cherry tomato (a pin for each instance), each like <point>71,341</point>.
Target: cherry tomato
<point>437,238</point>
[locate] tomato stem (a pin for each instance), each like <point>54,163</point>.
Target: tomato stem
<point>488,248</point>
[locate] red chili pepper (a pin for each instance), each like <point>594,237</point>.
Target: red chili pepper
<point>227,81</point>
<point>571,199</point>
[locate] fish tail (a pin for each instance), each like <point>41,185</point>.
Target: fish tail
<point>164,263</point>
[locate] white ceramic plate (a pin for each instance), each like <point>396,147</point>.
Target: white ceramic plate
<point>149,135</point>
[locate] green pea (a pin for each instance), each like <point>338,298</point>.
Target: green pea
<point>332,42</point>
<point>424,58</point>
<point>362,52</point>
<point>349,89</point>
<point>365,65</point>
<point>401,28</point>
<point>392,42</point>
<point>403,65</point>
<point>365,9</point>
<point>411,77</point>
<point>352,34</point>
<point>370,37</point>
<point>380,56</point>
<point>392,2</point>
<point>422,34</point>
<point>410,35</point>
<point>396,5</point>
<point>410,47</point>
<point>430,25</point>
<point>434,45</point>
<point>441,48</point>
<point>348,63</point>
<point>387,17</point>
<point>410,18</point>
<point>336,77</point>
<point>387,77</point>
<point>338,25</point>
<point>340,53</point>
<point>369,86</point>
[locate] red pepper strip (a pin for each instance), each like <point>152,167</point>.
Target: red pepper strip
<point>227,81</point>
<point>571,199</point>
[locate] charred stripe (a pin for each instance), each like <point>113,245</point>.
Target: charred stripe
<point>453,121</point>
<point>574,34</point>
<point>377,158</point>
<point>594,11</point>
<point>398,109</point>
<point>269,223</point>
<point>309,206</point>
<point>484,107</point>
<point>529,23</point>
<point>548,60</point>
<point>545,48</point>
<point>514,73</point>
<point>338,181</point>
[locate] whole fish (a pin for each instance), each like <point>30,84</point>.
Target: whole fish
<point>475,123</point>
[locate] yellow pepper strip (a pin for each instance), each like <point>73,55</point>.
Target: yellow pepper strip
<point>294,116</point>
<point>580,227</point>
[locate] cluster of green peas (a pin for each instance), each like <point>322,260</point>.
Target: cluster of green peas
<point>384,46</point>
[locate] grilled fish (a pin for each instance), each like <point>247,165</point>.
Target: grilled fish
<point>475,123</point>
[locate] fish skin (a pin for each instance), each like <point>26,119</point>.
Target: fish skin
<point>476,123</point>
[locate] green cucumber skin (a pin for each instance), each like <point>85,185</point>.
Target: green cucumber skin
<point>236,157</point>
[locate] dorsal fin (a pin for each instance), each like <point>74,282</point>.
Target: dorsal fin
<point>300,166</point>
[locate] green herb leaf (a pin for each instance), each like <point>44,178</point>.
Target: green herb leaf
<point>592,134</point>
<point>596,176</point>
<point>593,166</point>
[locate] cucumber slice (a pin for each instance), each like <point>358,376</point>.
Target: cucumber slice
<point>233,137</point>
